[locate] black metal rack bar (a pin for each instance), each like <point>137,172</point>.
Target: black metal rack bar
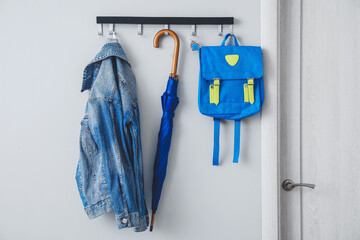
<point>166,20</point>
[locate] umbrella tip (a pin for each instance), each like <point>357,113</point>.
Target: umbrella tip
<point>152,222</point>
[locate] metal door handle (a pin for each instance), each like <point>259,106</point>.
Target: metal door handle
<point>288,185</point>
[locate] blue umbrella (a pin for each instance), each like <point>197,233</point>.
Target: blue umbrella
<point>169,101</point>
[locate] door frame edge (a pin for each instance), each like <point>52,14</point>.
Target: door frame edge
<point>270,25</point>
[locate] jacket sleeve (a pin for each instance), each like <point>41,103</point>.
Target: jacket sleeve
<point>102,125</point>
<point>110,133</point>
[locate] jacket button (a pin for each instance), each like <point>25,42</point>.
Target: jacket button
<point>88,213</point>
<point>124,220</point>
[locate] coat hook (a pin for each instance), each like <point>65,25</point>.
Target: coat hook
<point>220,28</point>
<point>140,29</point>
<point>231,28</point>
<point>166,26</point>
<point>112,30</point>
<point>193,30</point>
<point>100,29</point>
<point>111,27</point>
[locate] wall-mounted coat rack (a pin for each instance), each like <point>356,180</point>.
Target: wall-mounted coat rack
<point>166,21</point>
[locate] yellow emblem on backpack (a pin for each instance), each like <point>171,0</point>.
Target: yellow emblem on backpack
<point>232,59</point>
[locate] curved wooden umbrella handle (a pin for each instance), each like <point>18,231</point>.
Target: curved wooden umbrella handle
<point>176,48</point>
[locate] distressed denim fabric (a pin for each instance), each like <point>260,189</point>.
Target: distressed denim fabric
<point>110,169</point>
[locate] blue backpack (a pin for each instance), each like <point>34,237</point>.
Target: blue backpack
<point>231,86</point>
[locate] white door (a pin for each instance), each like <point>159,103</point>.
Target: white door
<point>320,119</point>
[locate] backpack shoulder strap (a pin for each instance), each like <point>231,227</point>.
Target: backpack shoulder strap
<point>237,131</point>
<point>216,142</point>
<point>216,149</point>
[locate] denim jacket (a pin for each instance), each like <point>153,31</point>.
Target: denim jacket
<point>110,169</point>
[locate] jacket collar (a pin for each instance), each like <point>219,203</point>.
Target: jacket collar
<point>111,48</point>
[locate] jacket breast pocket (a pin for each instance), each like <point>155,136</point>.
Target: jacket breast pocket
<point>86,138</point>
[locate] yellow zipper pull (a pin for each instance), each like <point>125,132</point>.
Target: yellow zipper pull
<point>246,93</point>
<point>251,90</point>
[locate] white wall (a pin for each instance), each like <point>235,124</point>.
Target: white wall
<point>44,46</point>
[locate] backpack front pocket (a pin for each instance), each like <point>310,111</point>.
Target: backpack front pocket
<point>230,98</point>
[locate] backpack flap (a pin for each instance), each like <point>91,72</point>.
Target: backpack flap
<point>231,62</point>
<point>231,85</point>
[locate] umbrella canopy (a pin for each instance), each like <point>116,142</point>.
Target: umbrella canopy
<point>169,101</point>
